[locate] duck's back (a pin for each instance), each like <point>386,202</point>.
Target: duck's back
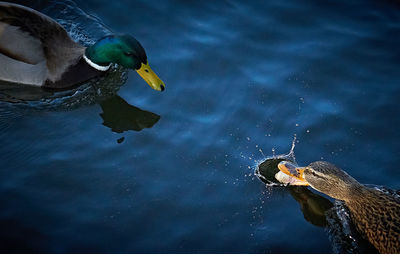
<point>34,49</point>
<point>377,217</point>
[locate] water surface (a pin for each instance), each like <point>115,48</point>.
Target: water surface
<point>174,171</point>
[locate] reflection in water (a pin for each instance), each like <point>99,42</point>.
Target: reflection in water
<point>10,92</point>
<point>117,114</point>
<point>313,206</point>
<point>120,116</point>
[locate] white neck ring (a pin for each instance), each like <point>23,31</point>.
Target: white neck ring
<point>96,66</point>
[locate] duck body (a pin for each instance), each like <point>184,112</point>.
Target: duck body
<point>375,214</point>
<point>36,50</point>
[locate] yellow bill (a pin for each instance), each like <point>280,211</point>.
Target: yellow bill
<point>291,170</point>
<point>150,77</point>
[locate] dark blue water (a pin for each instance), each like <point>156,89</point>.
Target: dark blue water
<point>88,171</point>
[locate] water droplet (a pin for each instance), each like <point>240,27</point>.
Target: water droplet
<point>261,151</point>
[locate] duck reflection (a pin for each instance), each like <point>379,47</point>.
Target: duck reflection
<point>117,114</point>
<point>313,206</point>
<point>120,116</point>
<point>9,92</point>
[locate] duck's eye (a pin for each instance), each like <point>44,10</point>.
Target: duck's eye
<point>309,171</point>
<point>128,53</point>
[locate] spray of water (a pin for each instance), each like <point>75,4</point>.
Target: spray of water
<point>291,152</point>
<point>266,168</point>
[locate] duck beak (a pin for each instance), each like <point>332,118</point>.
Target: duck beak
<point>150,77</point>
<point>291,170</point>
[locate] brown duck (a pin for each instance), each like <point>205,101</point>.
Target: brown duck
<point>375,214</point>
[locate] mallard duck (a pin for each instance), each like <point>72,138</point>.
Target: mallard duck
<point>375,214</point>
<point>36,50</point>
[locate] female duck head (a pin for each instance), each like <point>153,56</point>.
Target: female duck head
<point>323,177</point>
<point>125,51</point>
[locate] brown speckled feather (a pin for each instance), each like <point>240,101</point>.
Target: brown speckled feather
<point>377,216</point>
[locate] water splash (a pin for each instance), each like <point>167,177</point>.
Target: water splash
<point>268,167</point>
<point>340,231</point>
<point>273,151</point>
<point>291,152</point>
<point>262,153</point>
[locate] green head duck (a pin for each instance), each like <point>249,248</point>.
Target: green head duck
<point>125,51</point>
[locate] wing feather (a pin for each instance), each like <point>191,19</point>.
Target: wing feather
<point>29,36</point>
